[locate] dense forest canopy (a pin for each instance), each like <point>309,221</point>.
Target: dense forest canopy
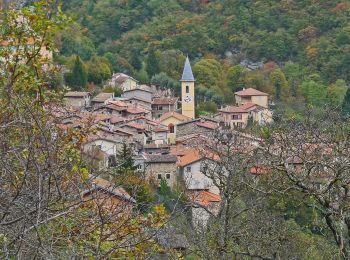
<point>307,42</point>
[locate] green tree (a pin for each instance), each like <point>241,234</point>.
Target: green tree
<point>235,77</point>
<point>346,101</point>
<point>280,83</point>
<point>98,70</point>
<point>135,60</point>
<point>152,66</point>
<point>336,93</point>
<point>314,93</point>
<point>77,78</point>
<point>208,72</point>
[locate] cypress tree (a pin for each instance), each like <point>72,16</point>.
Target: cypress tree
<point>135,61</point>
<point>346,101</point>
<point>152,66</point>
<point>78,77</point>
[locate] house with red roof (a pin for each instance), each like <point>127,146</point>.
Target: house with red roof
<point>235,116</point>
<point>189,165</point>
<point>251,95</point>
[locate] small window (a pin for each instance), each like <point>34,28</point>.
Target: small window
<point>160,108</point>
<point>168,176</point>
<point>159,176</point>
<point>187,89</point>
<point>188,169</point>
<point>139,167</point>
<point>171,128</point>
<point>236,117</point>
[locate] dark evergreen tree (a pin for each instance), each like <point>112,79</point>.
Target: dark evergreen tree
<point>346,102</point>
<point>125,161</point>
<point>152,65</point>
<point>77,78</point>
<point>135,61</point>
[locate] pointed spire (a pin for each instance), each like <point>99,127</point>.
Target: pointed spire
<point>187,74</point>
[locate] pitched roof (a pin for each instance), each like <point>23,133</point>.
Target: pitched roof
<point>109,187</point>
<point>115,107</point>
<point>249,106</point>
<point>160,129</point>
<point>250,92</point>
<point>203,197</point>
<point>135,110</point>
<point>121,77</point>
<point>116,119</point>
<point>164,101</point>
<point>190,156</point>
<point>187,74</point>
<point>232,109</point>
<point>118,103</point>
<point>160,158</point>
<point>177,115</point>
<point>135,125</point>
<point>77,94</point>
<point>102,97</point>
<point>138,89</point>
<point>208,125</point>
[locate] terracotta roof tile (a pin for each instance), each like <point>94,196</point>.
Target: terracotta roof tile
<point>232,109</point>
<point>208,125</point>
<point>164,101</point>
<point>249,106</point>
<point>174,114</point>
<point>102,97</point>
<point>118,103</point>
<point>190,157</point>
<point>136,110</point>
<point>250,92</point>
<point>203,197</point>
<point>160,129</point>
<point>111,188</point>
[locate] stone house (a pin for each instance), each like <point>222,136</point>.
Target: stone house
<point>202,202</point>
<point>78,99</point>
<point>163,105</point>
<point>102,99</point>
<point>140,102</point>
<point>235,116</point>
<point>160,135</point>
<point>196,126</point>
<point>190,172</point>
<point>171,120</point>
<point>139,93</point>
<point>251,95</point>
<point>161,166</point>
<point>123,81</point>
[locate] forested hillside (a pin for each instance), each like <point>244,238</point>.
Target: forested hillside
<point>299,50</point>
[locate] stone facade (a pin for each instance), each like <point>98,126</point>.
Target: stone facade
<point>191,127</point>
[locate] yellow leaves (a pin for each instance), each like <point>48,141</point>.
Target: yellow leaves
<point>311,52</point>
<point>84,173</point>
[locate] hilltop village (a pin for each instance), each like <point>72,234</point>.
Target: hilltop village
<point>161,130</point>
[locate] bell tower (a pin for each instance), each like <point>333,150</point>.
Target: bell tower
<point>187,91</point>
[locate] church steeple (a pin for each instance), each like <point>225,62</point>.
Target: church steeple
<point>187,91</point>
<point>187,74</point>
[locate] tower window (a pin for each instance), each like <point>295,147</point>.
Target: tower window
<point>187,89</point>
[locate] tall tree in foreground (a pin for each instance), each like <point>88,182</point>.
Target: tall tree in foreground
<point>311,157</point>
<point>43,213</point>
